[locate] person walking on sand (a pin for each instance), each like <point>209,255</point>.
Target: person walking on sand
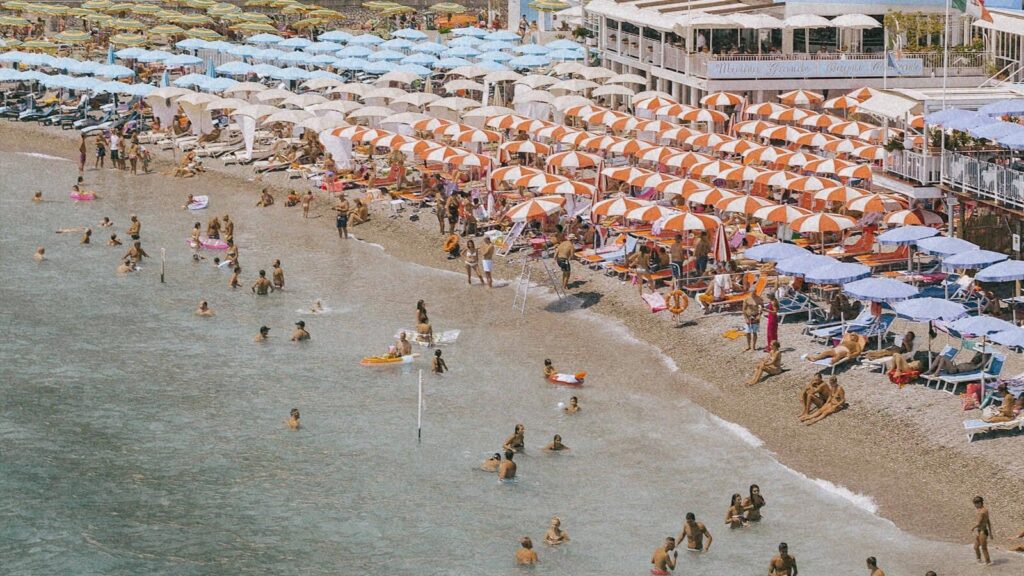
<point>694,532</point>
<point>507,470</point>
<point>439,366</point>
<point>873,569</point>
<point>262,286</point>
<point>300,334</point>
<point>982,531</point>
<point>341,221</point>
<point>664,558</point>
<point>526,556</point>
<point>307,201</point>
<point>81,155</point>
<point>783,564</point>
<point>487,261</point>
<point>563,257</point>
<point>472,261</point>
<point>771,325</point>
<point>277,273</point>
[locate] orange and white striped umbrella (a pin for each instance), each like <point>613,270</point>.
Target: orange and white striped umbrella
<point>862,94</point>
<point>393,141</point>
<point>685,221</point>
<point>721,99</point>
<point>582,110</point>
<point>754,126</point>
<point>816,139</point>
<point>568,187</point>
<point>764,108</point>
<point>651,213</point>
<point>740,174</point>
<point>504,121</point>
<point>653,103</point>
<point>878,135</point>
<point>858,171</point>
<point>452,130</point>
<point>919,217</point>
<point>574,138</point>
<point>533,209</point>
<point>652,180</point>
<point>787,133</point>
<point>430,124</point>
<point>776,178</point>
<point>599,142</point>
<point>703,115</point>
<point>673,110</point>
<point>686,160</point>
<point>539,180</point>
<point>737,146</point>
<point>478,136</point>
<point>628,147</point>
<point>810,184</point>
<point>839,194</point>
<point>874,203</point>
<point>605,117</point>
<point>800,97</point>
<point>870,152</point>
<point>820,120</point>
<point>513,173</point>
<point>471,161</point>
<point>624,173</point>
<point>625,124</point>
<point>917,121</point>
<point>783,214</point>
<point>850,128</point>
<point>573,159</point>
<point>798,158</point>
<point>711,169</point>
<point>744,204</point>
<point>442,154</point>
<point>819,222</point>
<point>842,145</point>
<point>656,126</point>
<point>532,125</point>
<point>618,205</point>
<point>349,132</point>
<point>711,196</point>
<point>657,153</point>
<point>678,134</point>
<point>763,155</point>
<point>682,186</point>
<point>840,103</point>
<point>826,166</point>
<point>553,132</point>
<point>525,147</point>
<point>791,115</point>
<point>707,140</point>
<point>419,147</point>
<point>371,135</point>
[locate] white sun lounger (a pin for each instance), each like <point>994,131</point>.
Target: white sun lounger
<point>974,426</point>
<point>883,363</point>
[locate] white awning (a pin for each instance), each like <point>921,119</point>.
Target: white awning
<point>887,105</point>
<point>1002,21</point>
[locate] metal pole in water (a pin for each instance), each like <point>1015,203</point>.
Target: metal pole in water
<point>419,410</point>
<point>163,260</point>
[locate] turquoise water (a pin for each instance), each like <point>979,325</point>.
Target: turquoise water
<point>137,438</point>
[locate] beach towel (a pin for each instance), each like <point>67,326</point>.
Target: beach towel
<point>733,333</point>
<point>655,301</point>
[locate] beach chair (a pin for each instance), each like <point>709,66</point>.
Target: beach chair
<point>797,303</point>
<point>883,363</point>
<point>881,259</point>
<point>739,297</point>
<point>830,330</point>
<point>990,371</point>
<point>949,352</point>
<point>826,363</point>
<point>857,246</point>
<point>974,427</point>
<point>878,329</point>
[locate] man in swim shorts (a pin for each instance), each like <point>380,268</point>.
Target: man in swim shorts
<point>982,531</point>
<point>694,533</point>
<point>404,347</point>
<point>677,260</point>
<point>526,555</point>
<point>134,228</point>
<point>262,286</point>
<point>563,257</point>
<point>664,558</point>
<point>783,564</point>
<point>300,333</point>
<point>573,406</point>
<point>487,261</point>
<point>136,253</point>
<point>341,221</point>
<point>507,469</point>
<point>278,274</point>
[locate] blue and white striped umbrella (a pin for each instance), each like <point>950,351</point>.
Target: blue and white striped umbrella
<point>217,85</point>
<point>503,35</point>
<point>906,235</point>
<point>944,245</point>
<point>296,43</point>
<point>971,260</point>
<point>803,264</point>
<point>234,68</point>
<point>264,39</point>
<point>391,55</point>
<point>409,34</point>
<point>366,40</point>
<point>429,47</point>
<point>774,251</point>
<point>353,52</point>
<point>323,47</point>
<point>529,61</point>
<point>1004,271</point>
<point>929,309</point>
<point>840,273</point>
<point>880,290</point>
<point>981,325</point>
<point>335,36</point>
<point>420,59</point>
<point>397,44</point>
<point>470,31</point>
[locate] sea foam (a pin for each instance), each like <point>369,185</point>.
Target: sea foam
<point>740,432</point>
<point>44,156</point>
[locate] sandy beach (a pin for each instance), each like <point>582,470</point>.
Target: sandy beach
<point>901,452</point>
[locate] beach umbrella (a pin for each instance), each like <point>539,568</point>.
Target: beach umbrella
<point>822,222</point>
<point>774,252</point>
<point>800,97</point>
<point>740,174</point>
<point>945,246</point>
<point>1004,271</point>
<point>73,37</point>
<point>810,184</point>
<point>365,40</point>
<point>534,49</point>
<point>618,206</point>
<point>783,214</point>
<point>1012,338</point>
<point>651,213</point>
<point>928,310</point>
<point>800,265</point>
<point>874,203</point>
<point>702,115</point>
<point>905,235</point>
<point>841,194</point>
<point>884,290</point>
<point>529,61</point>
<point>128,39</point>
<point>682,186</point>
<point>469,31</point>
<point>824,121</point>
<point>409,34</point>
<point>981,325</point>
<point>918,217</point>
<point>721,99</point>
<point>568,187</point>
<point>839,273</point>
<point>764,155</point>
<point>710,196</point>
<point>826,165</point>
<point>429,48</point>
<point>686,221</point>
<point>764,109</point>
<point>573,159</point>
<point>525,147</point>
<point>972,260</point>
<point>503,36</point>
<point>743,204</point>
<point>533,209</point>
<point>841,103</point>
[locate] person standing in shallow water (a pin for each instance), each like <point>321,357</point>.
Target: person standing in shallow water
<point>982,531</point>
<point>341,221</point>
<point>664,558</point>
<point>783,564</point>
<point>293,419</point>
<point>278,274</point>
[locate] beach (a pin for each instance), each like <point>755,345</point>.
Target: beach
<point>862,463</point>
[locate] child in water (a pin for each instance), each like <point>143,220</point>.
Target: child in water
<point>549,370</point>
<point>440,367</point>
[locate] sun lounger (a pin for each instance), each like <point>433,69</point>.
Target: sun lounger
<point>879,259</point>
<point>797,303</point>
<point>878,329</point>
<point>883,363</point>
<point>827,364</point>
<point>975,427</point>
<point>836,329</point>
<point>991,371</point>
<point>854,246</point>
<point>739,297</point>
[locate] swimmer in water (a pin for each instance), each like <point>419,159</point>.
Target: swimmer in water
<point>204,309</point>
<point>113,240</point>
<point>125,267</point>
<point>233,280</point>
<point>664,558</point>
<point>262,286</point>
<point>300,334</point>
<point>106,223</point>
<point>317,307</point>
<point>293,419</point>
<point>735,517</point>
<point>439,366</point>
<point>40,254</point>
<point>492,464</point>
<point>549,370</point>
<point>136,253</point>
<point>264,334</point>
<point>516,442</point>
<point>783,564</point>
<point>526,556</point>
<point>134,228</point>
<point>38,196</point>
<point>87,237</point>
<point>694,533</point>
<point>277,274</point>
<point>556,444</point>
<point>573,406</point>
<point>873,569</point>
<point>507,469</point>
<point>404,346</point>
<point>555,535</point>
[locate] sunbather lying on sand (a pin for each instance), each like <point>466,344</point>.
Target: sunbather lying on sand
<point>849,347</point>
<point>836,402</point>
<point>771,364</point>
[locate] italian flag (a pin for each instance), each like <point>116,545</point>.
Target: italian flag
<point>975,8</point>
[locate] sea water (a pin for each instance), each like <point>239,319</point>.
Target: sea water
<point>137,438</point>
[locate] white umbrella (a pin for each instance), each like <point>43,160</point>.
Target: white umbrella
<point>243,87</point>
<point>456,85</point>
<point>409,118</point>
<point>574,85</point>
<point>351,88</point>
<point>227,104</point>
<point>626,79</point>
<point>563,68</point>
<point>535,96</point>
<point>488,111</point>
<point>855,21</point>
<point>315,83</point>
<point>303,100</point>
<point>398,76</point>
<point>385,93</point>
<point>455,103</point>
<point>342,106</point>
<point>273,94</point>
<point>651,94</point>
<point>595,72</point>
<point>320,123</point>
<point>502,76</point>
<point>256,111</point>
<point>612,90</point>
<point>372,112</point>
<point>536,80</point>
<point>288,116</point>
<point>418,99</point>
<point>568,101</point>
<point>473,71</point>
<point>757,21</point>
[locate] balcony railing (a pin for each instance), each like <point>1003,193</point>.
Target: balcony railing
<point>914,166</point>
<point>984,180</point>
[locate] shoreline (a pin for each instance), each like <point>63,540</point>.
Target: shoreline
<point>889,445</point>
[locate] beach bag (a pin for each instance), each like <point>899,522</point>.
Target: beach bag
<point>974,390</point>
<point>968,401</point>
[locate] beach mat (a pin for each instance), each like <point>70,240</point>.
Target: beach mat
<point>733,334</point>
<point>655,301</point>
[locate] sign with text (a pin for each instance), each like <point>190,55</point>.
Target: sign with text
<point>865,68</point>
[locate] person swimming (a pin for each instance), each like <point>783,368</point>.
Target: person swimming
<point>555,535</point>
<point>105,223</point>
<point>694,532</point>
<point>263,335</point>
<point>556,444</point>
<point>300,334</point>
<point>516,442</point>
<point>507,469</point>
<point>114,241</point>
<point>87,237</point>
<point>736,517</point>
<point>40,254</point>
<point>492,464</point>
<point>125,267</point>
<point>404,346</point>
<point>317,307</point>
<point>439,365</point>
<point>38,196</point>
<point>664,558</point>
<point>293,419</point>
<point>204,309</point>
<point>549,370</point>
<point>526,555</point>
<point>573,407</point>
